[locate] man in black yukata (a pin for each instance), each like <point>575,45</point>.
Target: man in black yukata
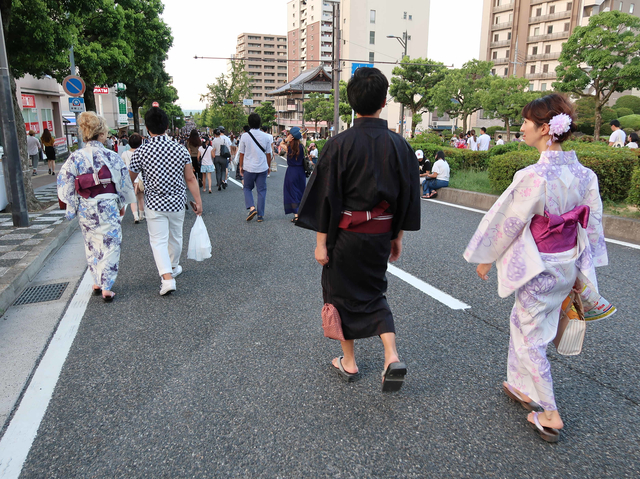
<point>363,194</point>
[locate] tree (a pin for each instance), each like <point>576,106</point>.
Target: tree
<point>413,84</point>
<point>318,108</point>
<point>460,92</point>
<point>267,113</point>
<point>585,111</point>
<point>505,98</point>
<point>225,97</point>
<point>600,59</point>
<point>631,102</point>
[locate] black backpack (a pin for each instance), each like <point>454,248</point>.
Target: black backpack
<point>224,152</point>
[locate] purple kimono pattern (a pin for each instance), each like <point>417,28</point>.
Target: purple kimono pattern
<point>99,217</point>
<point>556,184</point>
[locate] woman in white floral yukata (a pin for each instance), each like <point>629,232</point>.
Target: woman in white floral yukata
<point>544,232</point>
<point>95,184</point>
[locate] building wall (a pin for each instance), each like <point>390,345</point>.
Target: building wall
<point>41,101</point>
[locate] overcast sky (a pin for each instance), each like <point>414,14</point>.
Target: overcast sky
<point>199,29</point>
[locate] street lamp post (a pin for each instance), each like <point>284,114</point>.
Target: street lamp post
<point>403,41</point>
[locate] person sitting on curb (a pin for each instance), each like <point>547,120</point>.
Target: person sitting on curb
<point>438,178</point>
<point>425,168</point>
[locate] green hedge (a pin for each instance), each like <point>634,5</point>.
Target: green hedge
<point>320,145</point>
<point>634,190</point>
<point>613,167</point>
<point>630,121</point>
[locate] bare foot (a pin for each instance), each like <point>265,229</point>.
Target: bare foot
<point>391,359</point>
<point>547,419</point>
<point>349,367</point>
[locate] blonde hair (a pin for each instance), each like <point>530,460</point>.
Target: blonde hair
<point>91,125</point>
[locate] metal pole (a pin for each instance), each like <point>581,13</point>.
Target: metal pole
<point>72,61</point>
<point>302,104</point>
<point>401,129</point>
<point>19,210</point>
<point>336,68</point>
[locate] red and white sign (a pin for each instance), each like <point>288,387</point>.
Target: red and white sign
<point>62,141</point>
<point>35,126</point>
<point>155,103</point>
<point>100,90</point>
<point>48,125</point>
<point>28,101</point>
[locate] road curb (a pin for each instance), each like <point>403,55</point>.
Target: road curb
<point>14,281</point>
<point>615,227</point>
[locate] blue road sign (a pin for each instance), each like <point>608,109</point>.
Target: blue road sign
<point>130,114</point>
<point>76,105</point>
<point>73,85</point>
<point>355,66</point>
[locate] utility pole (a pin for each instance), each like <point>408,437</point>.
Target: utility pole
<point>403,41</point>
<point>72,61</point>
<point>336,68</point>
<point>12,162</point>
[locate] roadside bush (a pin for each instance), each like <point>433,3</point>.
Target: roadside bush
<point>634,190</point>
<point>503,167</point>
<point>320,145</point>
<point>467,159</point>
<point>510,146</point>
<point>629,101</point>
<point>491,131</point>
<point>630,121</point>
<point>426,137</point>
<point>624,111</point>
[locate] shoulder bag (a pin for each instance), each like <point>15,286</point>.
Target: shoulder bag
<point>571,326</point>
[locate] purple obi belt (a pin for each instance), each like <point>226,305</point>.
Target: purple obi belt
<point>556,234</point>
<point>91,185</point>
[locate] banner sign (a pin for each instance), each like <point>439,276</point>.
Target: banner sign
<point>100,90</point>
<point>28,101</point>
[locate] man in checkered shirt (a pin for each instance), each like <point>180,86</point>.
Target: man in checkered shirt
<point>166,173</point>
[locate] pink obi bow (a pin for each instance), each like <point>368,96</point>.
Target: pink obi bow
<point>555,234</point>
<point>372,222</point>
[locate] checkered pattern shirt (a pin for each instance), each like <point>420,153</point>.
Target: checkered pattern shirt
<point>162,163</point>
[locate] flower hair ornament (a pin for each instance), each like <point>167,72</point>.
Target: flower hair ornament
<point>558,125</point>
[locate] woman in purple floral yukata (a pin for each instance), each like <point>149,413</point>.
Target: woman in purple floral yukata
<point>542,266</point>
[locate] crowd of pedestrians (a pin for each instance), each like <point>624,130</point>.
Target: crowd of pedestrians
<point>359,203</point>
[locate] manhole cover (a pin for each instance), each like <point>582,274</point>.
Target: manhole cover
<point>39,294</point>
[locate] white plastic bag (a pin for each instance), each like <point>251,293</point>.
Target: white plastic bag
<point>199,242</point>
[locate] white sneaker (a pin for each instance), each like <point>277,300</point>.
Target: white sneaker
<point>176,271</point>
<point>168,286</point>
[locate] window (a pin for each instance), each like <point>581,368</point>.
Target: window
<point>550,29</point>
<point>496,37</point>
<point>372,38</point>
<point>533,69</point>
<point>567,26</point>
<point>621,6</point>
<point>282,74</point>
<point>536,31</point>
<point>552,9</point>
<point>569,6</point>
<point>270,39</point>
<point>495,55</point>
<point>496,20</point>
<point>538,12</point>
<point>543,87</point>
<point>509,36</point>
<point>370,57</point>
<point>545,68</point>
<point>410,17</point>
<point>493,71</point>
<point>506,71</point>
<point>534,51</point>
<point>530,86</point>
<point>507,54</point>
<point>404,17</point>
<point>372,16</point>
<point>632,7</point>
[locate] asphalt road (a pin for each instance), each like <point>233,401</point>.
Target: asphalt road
<point>229,376</point>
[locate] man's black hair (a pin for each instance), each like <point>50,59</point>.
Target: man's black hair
<point>263,128</point>
<point>156,120</point>
<point>216,132</point>
<point>254,121</point>
<point>517,135</point>
<point>367,90</point>
<point>483,129</point>
<point>615,123</point>
<point>246,128</point>
<point>135,141</point>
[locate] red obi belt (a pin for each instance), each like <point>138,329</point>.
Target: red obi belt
<point>372,222</point>
<point>91,185</point>
<point>556,234</point>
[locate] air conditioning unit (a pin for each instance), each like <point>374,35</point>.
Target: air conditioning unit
<point>435,124</point>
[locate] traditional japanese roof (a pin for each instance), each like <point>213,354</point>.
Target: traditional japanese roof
<point>316,80</point>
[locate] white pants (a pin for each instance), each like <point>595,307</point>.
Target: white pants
<point>165,236</point>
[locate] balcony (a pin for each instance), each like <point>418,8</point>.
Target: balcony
<point>501,43</point>
<point>326,28</point>
<point>543,56</point>
<point>540,76</point>
<point>503,8</point>
<point>547,37</point>
<point>501,26</point>
<point>324,48</point>
<point>550,17</point>
<point>537,2</point>
<point>500,61</point>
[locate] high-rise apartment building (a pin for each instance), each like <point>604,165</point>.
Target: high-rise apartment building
<point>525,37</point>
<point>265,60</point>
<point>365,27</point>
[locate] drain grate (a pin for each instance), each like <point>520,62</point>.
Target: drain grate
<point>39,294</point>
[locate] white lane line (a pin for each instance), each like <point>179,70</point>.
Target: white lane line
<point>19,436</point>
<point>426,288</point>
<point>235,182</point>
<point>612,241</point>
<point>282,166</point>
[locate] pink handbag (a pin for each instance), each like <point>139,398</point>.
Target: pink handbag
<point>331,322</point>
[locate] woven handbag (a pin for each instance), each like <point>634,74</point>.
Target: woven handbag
<point>571,327</point>
<point>331,322</point>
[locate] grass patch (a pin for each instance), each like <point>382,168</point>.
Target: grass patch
<point>621,209</point>
<point>471,180</point>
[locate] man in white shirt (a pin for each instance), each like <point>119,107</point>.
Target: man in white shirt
<point>500,140</point>
<point>618,137</point>
<point>484,140</point>
<point>33,150</point>
<point>227,142</point>
<point>253,161</point>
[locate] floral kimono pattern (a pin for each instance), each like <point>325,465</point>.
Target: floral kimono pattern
<point>99,217</point>
<point>556,184</point>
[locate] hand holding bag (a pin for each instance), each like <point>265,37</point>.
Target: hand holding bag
<point>571,327</point>
<point>199,242</point>
<point>331,322</point>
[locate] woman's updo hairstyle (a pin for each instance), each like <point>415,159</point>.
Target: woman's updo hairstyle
<point>543,109</point>
<point>92,125</point>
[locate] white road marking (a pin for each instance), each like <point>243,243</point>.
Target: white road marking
<point>235,182</point>
<point>282,166</point>
<point>426,288</point>
<point>19,436</point>
<point>621,243</point>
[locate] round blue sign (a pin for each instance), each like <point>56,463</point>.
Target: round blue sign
<point>130,114</point>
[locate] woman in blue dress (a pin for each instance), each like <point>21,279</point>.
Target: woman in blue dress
<point>295,180</point>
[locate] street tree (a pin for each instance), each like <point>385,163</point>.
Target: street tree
<point>224,98</point>
<point>346,112</point>
<point>505,98</point>
<point>585,111</point>
<point>267,113</point>
<point>601,58</point>
<point>318,108</point>
<point>413,83</point>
